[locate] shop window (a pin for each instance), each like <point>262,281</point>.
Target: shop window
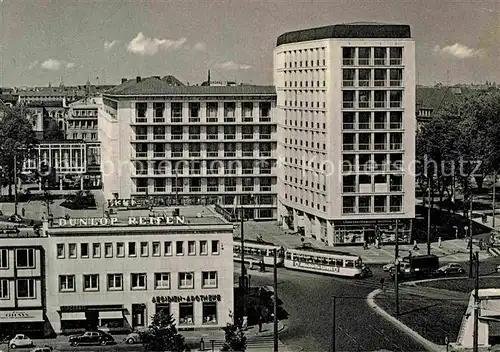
<point>108,250</point>
<point>186,314</point>
<point>84,250</point>
<point>191,248</point>
<point>186,280</point>
<point>167,248</point>
<point>162,281</point>
<point>72,250</point>
<point>179,248</point>
<point>4,289</point>
<point>91,282</point>
<point>115,282</point>
<point>156,249</point>
<point>163,307</point>
<point>215,247</point>
<point>120,249</point>
<point>138,281</point>
<point>67,283</point>
<point>25,258</point>
<point>209,312</point>
<point>25,288</point>
<point>209,279</point>
<point>60,251</point>
<point>96,250</point>
<point>144,249</point>
<point>203,247</point>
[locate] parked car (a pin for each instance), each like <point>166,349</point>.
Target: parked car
<point>15,218</point>
<point>389,266</point>
<point>42,349</point>
<point>450,269</point>
<point>91,338</point>
<point>133,337</point>
<point>20,340</point>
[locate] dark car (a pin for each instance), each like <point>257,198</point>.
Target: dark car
<point>366,271</point>
<point>15,218</point>
<point>450,269</point>
<point>91,338</point>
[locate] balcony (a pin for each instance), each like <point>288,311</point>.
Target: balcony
<point>380,61</point>
<point>229,136</point>
<point>396,208</point>
<point>229,171</point>
<point>264,136</point>
<point>247,188</point>
<point>141,137</point>
<point>396,125</point>
<point>194,171</point>
<point>379,83</point>
<point>364,83</point>
<point>364,210</point>
<point>141,154</point>
<point>194,119</point>
<point>348,83</point>
<point>212,153</point>
<point>141,119</point>
<point>213,189</point>
<point>178,189</point>
<point>141,189</point>
<point>396,188</point>
<point>194,189</point>
<point>264,153</point>
<point>379,104</point>
<point>229,154</point>
<point>396,61</point>
<point>348,210</point>
<point>364,104</point>
<point>265,171</point>
<point>265,119</point>
<point>364,61</point>
<point>396,104</point>
<point>159,171</point>
<point>348,126</point>
<point>247,119</point>
<point>396,167</point>
<point>160,189</point>
<point>380,125</point>
<point>348,146</point>
<point>212,136</point>
<point>159,136</point>
<point>247,136</point>
<point>396,146</point>
<point>141,172</point>
<point>380,167</point>
<point>380,146</point>
<point>348,189</point>
<point>380,208</point>
<point>348,104</point>
<point>159,154</point>
<point>176,119</point>
<point>212,119</point>
<point>247,171</point>
<point>396,83</point>
<point>194,154</point>
<point>265,188</point>
<point>212,171</point>
<point>364,146</point>
<point>247,153</point>
<point>176,136</point>
<point>348,62</point>
<point>158,120</point>
<point>176,154</point>
<point>229,119</point>
<point>194,136</point>
<point>229,188</point>
<point>364,126</point>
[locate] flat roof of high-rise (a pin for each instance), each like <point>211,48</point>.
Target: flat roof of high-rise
<point>356,30</point>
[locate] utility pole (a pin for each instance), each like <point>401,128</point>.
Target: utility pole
<point>243,274</point>
<point>429,215</point>
<point>494,188</point>
<point>396,283</point>
<point>476,306</point>
<point>334,340</point>
<point>471,258</point>
<point>15,182</point>
<point>275,301</point>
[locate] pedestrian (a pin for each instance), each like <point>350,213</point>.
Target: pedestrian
<point>23,212</point>
<point>415,247</point>
<point>439,241</point>
<point>409,253</point>
<point>260,322</point>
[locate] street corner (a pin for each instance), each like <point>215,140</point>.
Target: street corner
<point>267,330</point>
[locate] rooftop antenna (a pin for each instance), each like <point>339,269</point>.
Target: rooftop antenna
<point>208,80</point>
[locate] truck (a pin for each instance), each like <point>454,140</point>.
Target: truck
<point>416,267</point>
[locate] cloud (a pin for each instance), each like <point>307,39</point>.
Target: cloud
<point>70,65</point>
<point>51,64</point>
<point>200,46</point>
<point>459,51</point>
<point>32,65</point>
<point>109,45</point>
<point>143,45</point>
<point>232,66</point>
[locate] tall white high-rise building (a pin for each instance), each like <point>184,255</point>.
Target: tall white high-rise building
<point>346,131</point>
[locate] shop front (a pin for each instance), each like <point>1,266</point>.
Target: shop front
<point>27,321</point>
<point>109,318</point>
<point>372,231</point>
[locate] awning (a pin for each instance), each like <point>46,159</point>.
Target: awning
<point>73,316</point>
<point>111,315</point>
<point>21,316</point>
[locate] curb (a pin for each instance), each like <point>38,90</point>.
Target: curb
<point>415,283</point>
<point>428,345</point>
<point>281,328</point>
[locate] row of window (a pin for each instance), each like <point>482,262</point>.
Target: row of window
<point>186,312</point>
<point>138,281</point>
<point>25,289</point>
<point>84,136</point>
<point>142,249</point>
<point>313,204</point>
<point>24,258</point>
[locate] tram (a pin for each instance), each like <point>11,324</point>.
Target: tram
<point>256,251</point>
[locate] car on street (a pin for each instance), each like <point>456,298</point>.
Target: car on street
<point>133,338</point>
<point>450,269</point>
<point>366,271</point>
<point>42,349</point>
<point>20,340</point>
<point>388,266</point>
<point>91,338</point>
<point>15,218</point>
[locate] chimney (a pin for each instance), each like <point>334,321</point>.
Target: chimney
<point>138,79</point>
<point>124,80</point>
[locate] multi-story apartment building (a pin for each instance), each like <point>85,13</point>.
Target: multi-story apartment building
<point>346,131</point>
<point>208,143</point>
<point>81,123</point>
<point>115,273</point>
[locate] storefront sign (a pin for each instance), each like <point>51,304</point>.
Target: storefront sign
<point>113,221</point>
<point>20,316</point>
<point>315,266</point>
<point>197,298</point>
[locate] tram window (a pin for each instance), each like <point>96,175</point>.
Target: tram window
<point>288,256</point>
<point>358,264</point>
<point>324,261</point>
<point>310,259</point>
<point>339,262</point>
<point>317,260</point>
<point>349,264</point>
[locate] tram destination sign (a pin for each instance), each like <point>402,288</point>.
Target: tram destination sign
<point>114,221</point>
<point>315,266</point>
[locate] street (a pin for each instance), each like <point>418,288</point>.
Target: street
<point>65,347</point>
<point>308,300</point>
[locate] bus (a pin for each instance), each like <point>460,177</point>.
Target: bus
<point>256,251</point>
<point>326,262</point>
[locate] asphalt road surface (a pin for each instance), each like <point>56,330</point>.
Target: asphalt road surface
<point>308,300</point>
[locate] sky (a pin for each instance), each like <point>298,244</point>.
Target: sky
<point>43,41</point>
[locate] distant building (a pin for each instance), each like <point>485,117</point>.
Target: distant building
<point>81,123</point>
<point>430,101</point>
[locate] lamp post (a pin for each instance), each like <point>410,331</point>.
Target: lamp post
<point>396,262</point>
<point>471,259</point>
<point>15,183</point>
<point>275,282</point>
<point>429,216</point>
<point>494,200</point>
<point>243,275</point>
<point>476,305</point>
<point>334,340</point>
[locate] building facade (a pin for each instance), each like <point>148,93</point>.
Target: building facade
<point>346,131</point>
<point>194,143</point>
<point>81,123</point>
<point>114,274</point>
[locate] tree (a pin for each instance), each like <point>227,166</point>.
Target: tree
<point>162,335</point>
<point>235,339</point>
<point>17,139</point>
<point>53,132</point>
